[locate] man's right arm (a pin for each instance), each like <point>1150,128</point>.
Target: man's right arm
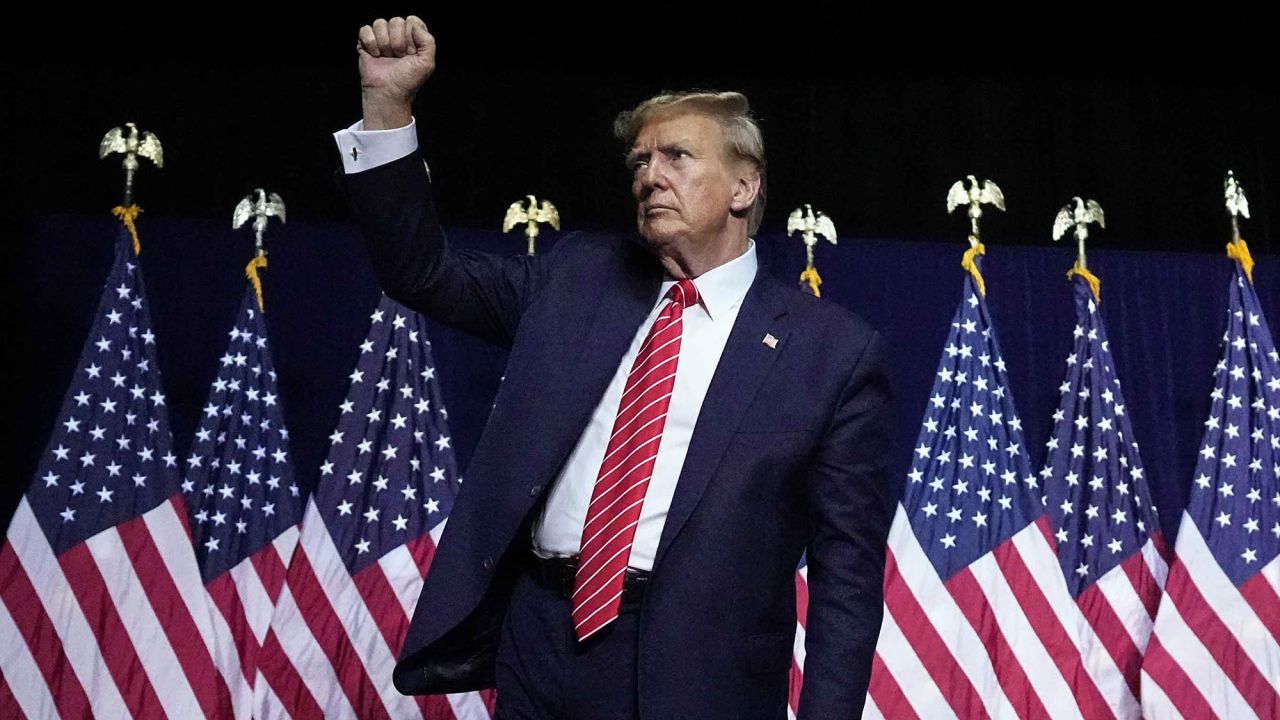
<point>479,293</point>
<point>389,190</point>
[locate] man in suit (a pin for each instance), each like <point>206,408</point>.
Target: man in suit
<point>676,427</point>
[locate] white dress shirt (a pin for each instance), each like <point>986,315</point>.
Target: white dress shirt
<point>705,331</point>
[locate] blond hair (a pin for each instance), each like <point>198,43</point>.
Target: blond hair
<point>742,136</point>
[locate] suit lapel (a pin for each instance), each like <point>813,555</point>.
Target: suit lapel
<point>621,303</point>
<point>742,368</point>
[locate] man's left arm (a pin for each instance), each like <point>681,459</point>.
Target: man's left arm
<point>850,510</point>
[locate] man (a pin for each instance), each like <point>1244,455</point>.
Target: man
<point>675,428</point>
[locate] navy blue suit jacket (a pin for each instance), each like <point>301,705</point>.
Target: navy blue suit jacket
<point>788,454</point>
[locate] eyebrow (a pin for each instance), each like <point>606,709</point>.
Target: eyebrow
<point>634,154</point>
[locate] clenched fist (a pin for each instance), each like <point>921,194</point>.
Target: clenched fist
<point>396,57</point>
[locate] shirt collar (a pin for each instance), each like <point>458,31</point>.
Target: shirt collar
<point>724,286</point>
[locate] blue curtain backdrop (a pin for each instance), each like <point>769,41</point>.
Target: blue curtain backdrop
<point>1165,311</point>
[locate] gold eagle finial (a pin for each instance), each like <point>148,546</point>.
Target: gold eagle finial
<point>531,216</point>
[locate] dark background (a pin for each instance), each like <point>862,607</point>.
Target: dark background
<point>870,120</point>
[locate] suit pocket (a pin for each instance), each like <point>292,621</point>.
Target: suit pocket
<point>770,652</point>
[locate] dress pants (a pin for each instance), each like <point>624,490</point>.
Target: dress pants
<point>544,673</point>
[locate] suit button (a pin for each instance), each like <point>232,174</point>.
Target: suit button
<point>488,562</point>
<point>533,491</point>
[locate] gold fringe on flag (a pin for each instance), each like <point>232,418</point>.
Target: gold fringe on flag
<point>251,272</point>
<point>1095,285</point>
<point>968,264</point>
<point>811,276</point>
<point>1238,250</point>
<point>127,214</point>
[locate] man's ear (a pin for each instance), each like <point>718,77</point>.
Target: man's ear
<point>746,188</point>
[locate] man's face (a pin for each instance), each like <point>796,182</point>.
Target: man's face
<point>682,182</point>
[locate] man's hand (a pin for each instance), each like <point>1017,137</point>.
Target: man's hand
<point>396,57</point>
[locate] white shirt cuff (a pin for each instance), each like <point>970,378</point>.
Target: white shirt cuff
<point>364,149</point>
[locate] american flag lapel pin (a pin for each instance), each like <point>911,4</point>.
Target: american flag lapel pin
<point>770,340</point>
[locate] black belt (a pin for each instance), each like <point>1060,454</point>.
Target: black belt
<point>560,573</point>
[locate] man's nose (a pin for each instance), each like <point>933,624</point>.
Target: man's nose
<point>653,175</point>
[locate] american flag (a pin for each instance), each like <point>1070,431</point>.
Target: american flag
<point>797,653</point>
<point>1109,545</point>
<point>103,610</point>
<point>1215,650</point>
<point>978,620</point>
<point>244,501</point>
<point>367,538</point>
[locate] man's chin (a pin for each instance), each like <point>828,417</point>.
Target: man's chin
<point>655,236</point>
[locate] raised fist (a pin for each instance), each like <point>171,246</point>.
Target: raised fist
<point>396,57</point>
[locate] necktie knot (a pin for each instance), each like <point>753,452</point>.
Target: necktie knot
<point>684,292</point>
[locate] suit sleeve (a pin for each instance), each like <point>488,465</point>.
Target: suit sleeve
<point>849,510</point>
<point>479,293</point>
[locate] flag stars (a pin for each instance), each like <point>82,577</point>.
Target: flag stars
<point>1115,546</point>
<point>104,495</point>
<point>400,522</point>
<point>948,540</point>
<point>1119,516</point>
<point>371,515</point>
<point>930,509</point>
<point>1223,519</point>
<point>1251,525</point>
<point>1249,556</point>
<point>344,508</point>
<point>953,514</point>
<point>362,547</point>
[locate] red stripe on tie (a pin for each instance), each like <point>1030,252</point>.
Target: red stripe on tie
<point>1112,633</point>
<point>1257,591</point>
<point>887,693</point>
<point>1055,639</point>
<point>933,653</point>
<point>19,596</point>
<point>1221,644</point>
<point>616,502</point>
<point>1173,680</point>
<point>114,644</point>
<point>180,629</point>
<point>331,636</point>
<point>279,672</point>
<point>966,591</point>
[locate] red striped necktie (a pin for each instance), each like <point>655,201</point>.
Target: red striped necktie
<point>627,466</point>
